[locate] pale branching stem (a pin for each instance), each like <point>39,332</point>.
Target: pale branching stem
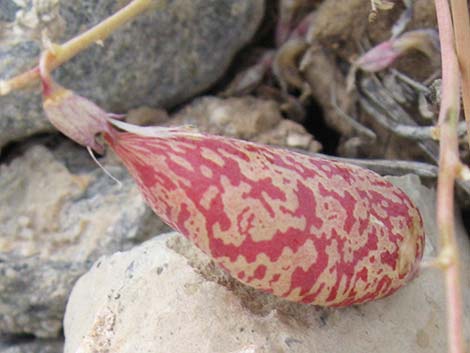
<point>450,69</point>
<point>45,66</point>
<point>63,53</point>
<point>449,164</point>
<point>461,20</point>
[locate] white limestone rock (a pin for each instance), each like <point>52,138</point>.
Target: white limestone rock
<point>166,296</point>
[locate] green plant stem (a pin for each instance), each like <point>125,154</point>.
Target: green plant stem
<point>461,21</point>
<point>449,165</point>
<point>63,53</point>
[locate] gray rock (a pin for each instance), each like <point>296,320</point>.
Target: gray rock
<point>167,294</point>
<point>161,59</point>
<point>34,294</point>
<point>56,217</point>
<point>36,346</point>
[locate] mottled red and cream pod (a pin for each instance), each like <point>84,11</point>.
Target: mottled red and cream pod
<point>303,228</point>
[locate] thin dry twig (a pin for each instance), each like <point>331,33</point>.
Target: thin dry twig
<point>449,165</point>
<point>415,84</point>
<point>388,167</point>
<point>417,133</point>
<point>360,129</point>
<point>65,52</point>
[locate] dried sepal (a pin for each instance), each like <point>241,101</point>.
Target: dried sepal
<point>75,116</point>
<point>155,131</point>
<point>379,57</point>
<point>384,54</point>
<point>423,40</point>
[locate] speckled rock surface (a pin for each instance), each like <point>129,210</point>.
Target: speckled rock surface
<point>247,118</point>
<point>35,346</point>
<point>57,215</point>
<point>160,59</point>
<point>167,294</point>
<point>34,293</point>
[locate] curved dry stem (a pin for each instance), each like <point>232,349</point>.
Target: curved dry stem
<point>65,52</point>
<point>448,168</point>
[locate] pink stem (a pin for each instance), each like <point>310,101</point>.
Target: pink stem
<point>448,166</point>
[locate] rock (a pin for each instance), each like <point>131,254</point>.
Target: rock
<point>162,58</point>
<point>167,294</point>
<point>36,346</point>
<point>246,118</point>
<point>145,116</point>
<point>290,134</point>
<point>243,118</point>
<point>54,223</point>
<point>34,293</point>
<point>48,211</point>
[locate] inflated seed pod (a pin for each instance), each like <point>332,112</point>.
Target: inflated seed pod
<point>303,228</point>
